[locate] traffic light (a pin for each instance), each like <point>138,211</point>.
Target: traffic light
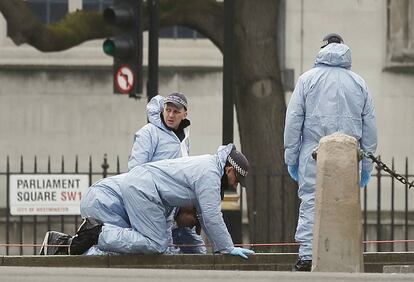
<point>126,48</point>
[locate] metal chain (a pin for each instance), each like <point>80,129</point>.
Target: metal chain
<point>385,168</point>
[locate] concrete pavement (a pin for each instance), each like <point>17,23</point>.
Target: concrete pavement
<point>373,262</point>
<point>58,274</point>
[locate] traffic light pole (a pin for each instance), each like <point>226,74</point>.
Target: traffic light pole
<point>232,218</point>
<point>153,34</point>
<point>228,63</point>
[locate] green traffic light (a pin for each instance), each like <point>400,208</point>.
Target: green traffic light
<point>109,47</point>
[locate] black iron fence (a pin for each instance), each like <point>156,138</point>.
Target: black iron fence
<point>24,234</point>
<point>392,219</point>
<point>388,213</point>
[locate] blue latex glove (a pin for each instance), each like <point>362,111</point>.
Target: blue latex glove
<point>241,252</point>
<point>293,172</point>
<point>365,176</point>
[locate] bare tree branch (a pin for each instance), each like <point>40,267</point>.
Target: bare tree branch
<point>77,27</point>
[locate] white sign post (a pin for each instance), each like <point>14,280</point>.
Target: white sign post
<point>47,194</point>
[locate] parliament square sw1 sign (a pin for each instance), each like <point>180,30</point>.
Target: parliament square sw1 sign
<point>47,194</point>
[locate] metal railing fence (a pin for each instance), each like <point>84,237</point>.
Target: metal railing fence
<point>388,214</point>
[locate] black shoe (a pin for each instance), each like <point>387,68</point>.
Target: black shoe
<point>86,236</point>
<point>302,265</point>
<point>55,243</point>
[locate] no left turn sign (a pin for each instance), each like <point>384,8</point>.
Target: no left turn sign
<point>124,79</point>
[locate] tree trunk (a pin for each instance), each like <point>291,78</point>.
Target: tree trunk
<point>260,106</point>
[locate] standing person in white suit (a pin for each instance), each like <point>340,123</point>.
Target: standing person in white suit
<point>328,98</point>
<point>166,136</point>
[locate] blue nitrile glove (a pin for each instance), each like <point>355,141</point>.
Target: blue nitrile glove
<point>365,176</point>
<point>241,252</point>
<point>293,172</point>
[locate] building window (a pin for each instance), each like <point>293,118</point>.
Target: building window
<point>179,32</point>
<point>400,35</point>
<point>48,11</point>
<point>96,5</point>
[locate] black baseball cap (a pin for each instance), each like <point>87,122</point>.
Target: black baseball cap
<point>178,99</point>
<point>331,38</point>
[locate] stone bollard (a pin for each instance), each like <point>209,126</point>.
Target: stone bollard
<point>337,230</point>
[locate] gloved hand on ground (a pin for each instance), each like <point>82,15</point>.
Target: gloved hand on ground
<point>365,176</point>
<point>293,172</point>
<point>241,252</point>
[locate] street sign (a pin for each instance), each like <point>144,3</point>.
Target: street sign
<point>124,79</point>
<point>47,194</point>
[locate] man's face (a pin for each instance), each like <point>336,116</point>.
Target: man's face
<point>186,218</point>
<point>173,115</point>
<point>231,177</point>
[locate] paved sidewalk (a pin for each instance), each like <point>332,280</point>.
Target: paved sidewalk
<point>57,274</point>
<point>373,262</point>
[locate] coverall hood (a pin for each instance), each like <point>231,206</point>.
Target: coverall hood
<point>336,55</point>
<point>154,109</point>
<point>222,153</point>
